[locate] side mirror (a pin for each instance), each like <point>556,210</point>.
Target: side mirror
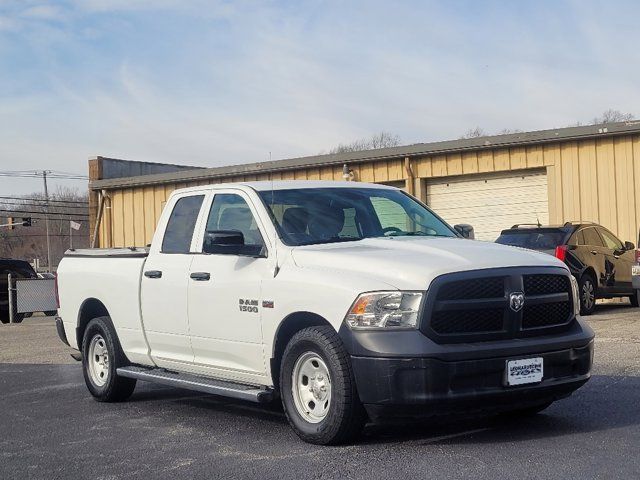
<point>465,230</point>
<point>229,242</point>
<point>629,246</point>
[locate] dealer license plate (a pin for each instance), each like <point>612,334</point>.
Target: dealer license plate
<point>528,370</point>
<point>635,270</point>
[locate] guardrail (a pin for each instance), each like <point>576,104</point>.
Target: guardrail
<point>30,295</point>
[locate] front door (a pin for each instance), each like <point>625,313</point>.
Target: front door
<point>225,294</point>
<point>621,259</point>
<point>165,280</point>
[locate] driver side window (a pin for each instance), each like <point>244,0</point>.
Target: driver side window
<point>231,212</point>
<point>611,242</point>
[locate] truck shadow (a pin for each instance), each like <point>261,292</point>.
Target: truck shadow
<point>607,402</point>
<point>604,403</point>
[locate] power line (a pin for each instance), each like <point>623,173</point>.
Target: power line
<point>35,199</point>
<point>42,204</point>
<point>20,212</point>
<point>38,174</point>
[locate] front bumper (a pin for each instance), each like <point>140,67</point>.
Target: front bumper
<point>405,374</point>
<point>410,387</point>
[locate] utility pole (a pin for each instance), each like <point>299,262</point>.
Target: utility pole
<point>46,218</point>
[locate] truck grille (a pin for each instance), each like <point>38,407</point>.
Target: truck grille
<point>475,306</point>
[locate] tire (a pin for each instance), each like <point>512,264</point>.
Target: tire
<point>338,416</point>
<point>50,313</point>
<point>635,299</point>
<point>526,412</point>
<point>588,294</point>
<point>100,371</point>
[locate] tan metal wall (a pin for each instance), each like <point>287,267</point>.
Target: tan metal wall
<point>597,180</point>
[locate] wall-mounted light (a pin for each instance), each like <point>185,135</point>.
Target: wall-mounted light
<point>347,173</point>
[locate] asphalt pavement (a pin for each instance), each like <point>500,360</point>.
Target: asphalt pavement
<point>51,428</point>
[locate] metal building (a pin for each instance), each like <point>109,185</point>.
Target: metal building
<point>567,174</point>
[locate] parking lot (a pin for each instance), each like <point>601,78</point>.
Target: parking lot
<point>52,428</point>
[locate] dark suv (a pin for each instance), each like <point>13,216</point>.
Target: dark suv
<point>19,269</point>
<point>601,263</point>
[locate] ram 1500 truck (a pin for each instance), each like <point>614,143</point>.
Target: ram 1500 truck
<point>347,301</point>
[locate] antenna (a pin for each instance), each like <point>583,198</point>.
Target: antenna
<point>538,220</point>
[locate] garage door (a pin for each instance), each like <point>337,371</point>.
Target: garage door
<point>491,202</point>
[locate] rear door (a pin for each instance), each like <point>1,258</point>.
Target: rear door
<point>621,260</point>
<point>164,284</point>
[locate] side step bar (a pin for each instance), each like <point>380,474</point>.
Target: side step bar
<point>197,383</point>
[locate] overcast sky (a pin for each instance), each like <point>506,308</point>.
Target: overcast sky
<point>213,83</point>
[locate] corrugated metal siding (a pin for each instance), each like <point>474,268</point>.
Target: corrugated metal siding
<point>596,180</point>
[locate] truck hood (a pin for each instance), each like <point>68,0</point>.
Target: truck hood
<point>412,263</point>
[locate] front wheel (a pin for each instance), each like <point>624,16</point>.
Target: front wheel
<point>587,295</point>
<point>101,356</point>
<point>318,389</point>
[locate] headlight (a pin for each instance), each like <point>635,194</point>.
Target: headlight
<point>576,295</point>
<point>385,310</point>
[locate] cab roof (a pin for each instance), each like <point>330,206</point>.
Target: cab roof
<point>267,185</point>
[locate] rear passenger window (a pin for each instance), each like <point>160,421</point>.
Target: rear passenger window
<point>592,238</point>
<point>577,238</point>
<point>179,231</point>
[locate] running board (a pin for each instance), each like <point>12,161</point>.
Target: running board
<point>197,383</point>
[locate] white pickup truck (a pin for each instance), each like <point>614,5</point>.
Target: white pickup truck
<point>348,301</point>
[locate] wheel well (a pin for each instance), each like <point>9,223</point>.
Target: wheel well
<point>291,325</point>
<point>591,272</point>
<point>90,309</point>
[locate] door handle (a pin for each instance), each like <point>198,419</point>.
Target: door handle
<point>153,274</point>
<point>200,276</point>
<point>593,252</point>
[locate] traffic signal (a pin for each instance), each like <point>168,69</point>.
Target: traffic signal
<point>26,221</point>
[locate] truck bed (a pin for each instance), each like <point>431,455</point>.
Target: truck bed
<point>107,252</point>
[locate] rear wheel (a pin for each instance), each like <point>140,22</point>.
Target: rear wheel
<point>318,389</point>
<point>635,299</point>
<point>588,292</point>
<point>101,356</point>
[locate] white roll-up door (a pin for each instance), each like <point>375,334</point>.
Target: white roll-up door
<point>491,202</point>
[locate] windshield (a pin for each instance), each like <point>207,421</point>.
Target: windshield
<point>533,239</point>
<point>325,215</point>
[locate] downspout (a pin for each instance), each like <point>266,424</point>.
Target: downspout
<point>96,229</point>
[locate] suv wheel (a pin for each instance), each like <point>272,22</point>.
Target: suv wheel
<point>318,389</point>
<point>635,299</point>
<point>101,356</point>
<point>588,292</point>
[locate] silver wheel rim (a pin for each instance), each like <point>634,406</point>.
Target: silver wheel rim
<point>588,295</point>
<point>98,361</point>
<point>311,387</point>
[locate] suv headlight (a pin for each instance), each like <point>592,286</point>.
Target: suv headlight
<point>576,295</point>
<point>390,310</point>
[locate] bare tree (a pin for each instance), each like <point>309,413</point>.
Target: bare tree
<point>474,133</point>
<point>377,141</point>
<point>29,243</point>
<point>507,131</point>
<point>612,116</point>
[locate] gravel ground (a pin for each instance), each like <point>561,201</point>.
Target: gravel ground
<point>52,428</point>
